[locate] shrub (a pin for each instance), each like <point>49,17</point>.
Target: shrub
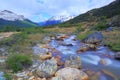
<point>114,47</point>
<point>17,62</point>
<point>83,35</point>
<point>79,29</point>
<point>8,76</point>
<point>101,26</point>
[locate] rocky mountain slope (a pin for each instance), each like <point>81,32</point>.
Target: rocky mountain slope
<point>8,18</point>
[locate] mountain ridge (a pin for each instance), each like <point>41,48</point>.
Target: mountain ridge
<point>9,18</point>
<point>107,11</point>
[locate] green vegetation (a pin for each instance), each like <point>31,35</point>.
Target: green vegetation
<point>108,11</point>
<point>17,62</point>
<point>8,76</point>
<point>17,23</point>
<point>16,39</point>
<point>114,47</point>
<point>112,40</point>
<point>79,29</point>
<point>101,26</point>
<point>82,36</point>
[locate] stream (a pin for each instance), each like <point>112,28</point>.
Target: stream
<point>100,62</point>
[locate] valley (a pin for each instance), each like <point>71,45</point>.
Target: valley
<point>86,47</point>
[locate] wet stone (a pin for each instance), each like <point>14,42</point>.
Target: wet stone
<point>73,61</point>
<point>117,55</point>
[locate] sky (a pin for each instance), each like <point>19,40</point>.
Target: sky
<point>41,10</point>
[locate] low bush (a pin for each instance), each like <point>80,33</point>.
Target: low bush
<point>83,35</point>
<point>17,62</point>
<point>8,76</point>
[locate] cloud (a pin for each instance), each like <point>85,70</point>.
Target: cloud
<point>39,10</point>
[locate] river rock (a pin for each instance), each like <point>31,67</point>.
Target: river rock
<point>59,62</point>
<point>94,38</point>
<point>109,29</point>
<point>47,68</point>
<point>86,47</point>
<point>42,52</point>
<point>34,78</point>
<point>46,39</point>
<point>61,37</point>
<point>117,55</point>
<point>4,51</point>
<point>70,74</point>
<point>57,78</point>
<point>73,62</point>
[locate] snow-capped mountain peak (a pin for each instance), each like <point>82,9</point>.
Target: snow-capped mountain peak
<point>56,20</point>
<point>10,16</point>
<point>61,18</point>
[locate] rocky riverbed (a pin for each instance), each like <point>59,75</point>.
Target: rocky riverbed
<point>89,56</point>
<point>64,57</point>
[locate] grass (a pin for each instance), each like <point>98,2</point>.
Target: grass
<point>67,30</point>
<point>112,40</point>
<point>17,62</point>
<point>83,35</point>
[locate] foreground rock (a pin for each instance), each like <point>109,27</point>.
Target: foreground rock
<point>47,68</point>
<point>94,38</point>
<point>70,74</point>
<point>73,62</point>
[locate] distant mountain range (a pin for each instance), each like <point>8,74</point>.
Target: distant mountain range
<point>8,18</point>
<point>56,20</point>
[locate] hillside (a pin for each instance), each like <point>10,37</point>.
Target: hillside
<point>97,15</point>
<point>105,19</point>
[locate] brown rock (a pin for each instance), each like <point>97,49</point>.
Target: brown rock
<point>102,61</point>
<point>46,56</point>
<point>73,62</point>
<point>71,74</point>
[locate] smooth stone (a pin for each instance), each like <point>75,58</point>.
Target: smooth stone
<point>71,74</point>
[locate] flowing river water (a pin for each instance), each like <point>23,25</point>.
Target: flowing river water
<point>100,62</point>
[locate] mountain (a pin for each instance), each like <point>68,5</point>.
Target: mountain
<point>56,20</point>
<point>96,15</point>
<point>8,18</point>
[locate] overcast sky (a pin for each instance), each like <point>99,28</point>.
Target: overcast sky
<point>40,10</point>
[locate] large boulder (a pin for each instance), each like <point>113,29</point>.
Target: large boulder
<point>57,78</point>
<point>94,38</point>
<point>70,74</point>
<point>42,51</point>
<point>73,62</point>
<point>47,68</point>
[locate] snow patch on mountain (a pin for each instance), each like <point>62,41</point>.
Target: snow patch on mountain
<point>61,18</point>
<point>10,16</point>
